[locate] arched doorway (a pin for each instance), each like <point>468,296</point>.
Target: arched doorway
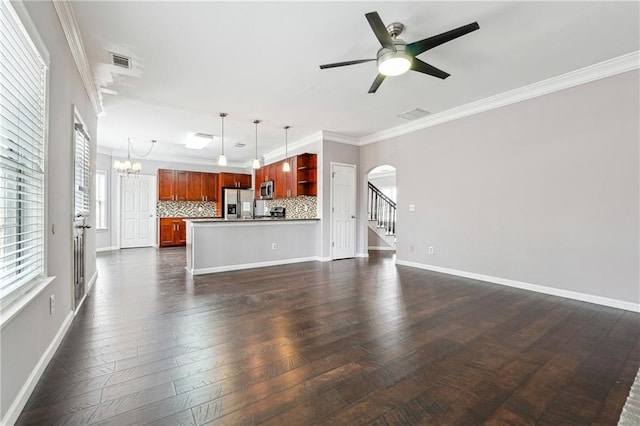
<point>381,208</point>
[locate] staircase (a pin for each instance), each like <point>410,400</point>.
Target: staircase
<point>382,220</point>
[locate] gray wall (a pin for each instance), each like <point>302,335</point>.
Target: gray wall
<point>26,337</point>
<point>109,239</point>
<point>544,191</point>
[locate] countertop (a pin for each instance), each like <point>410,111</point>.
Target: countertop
<point>260,219</point>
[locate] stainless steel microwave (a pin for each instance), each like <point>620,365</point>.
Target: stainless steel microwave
<point>266,190</point>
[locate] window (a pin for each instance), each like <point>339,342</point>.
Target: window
<point>23,72</point>
<point>101,199</point>
<point>82,177</point>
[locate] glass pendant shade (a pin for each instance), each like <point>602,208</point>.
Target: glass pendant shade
<point>256,163</point>
<point>222,160</point>
<point>286,167</point>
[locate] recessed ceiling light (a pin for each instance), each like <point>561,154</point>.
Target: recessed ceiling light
<point>198,140</point>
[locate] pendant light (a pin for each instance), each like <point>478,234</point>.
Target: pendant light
<point>256,162</point>
<point>128,167</point>
<point>286,167</point>
<point>222,160</point>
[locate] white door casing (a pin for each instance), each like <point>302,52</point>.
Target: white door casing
<point>137,211</point>
<point>343,211</point>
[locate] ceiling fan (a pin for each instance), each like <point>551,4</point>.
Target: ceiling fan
<point>396,57</point>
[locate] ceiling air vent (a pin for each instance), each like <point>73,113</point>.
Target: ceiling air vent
<point>120,61</point>
<point>414,114</point>
<point>204,135</point>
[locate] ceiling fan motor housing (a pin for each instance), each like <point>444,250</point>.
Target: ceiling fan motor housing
<point>396,62</point>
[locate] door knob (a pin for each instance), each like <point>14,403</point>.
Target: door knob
<point>353,216</point>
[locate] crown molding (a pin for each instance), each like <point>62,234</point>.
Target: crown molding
<point>619,65</point>
<point>72,32</point>
<point>279,154</point>
<point>335,137</point>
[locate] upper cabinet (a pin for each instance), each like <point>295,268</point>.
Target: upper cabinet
<point>301,180</point>
<point>306,174</point>
<point>179,185</point>
<point>172,185</point>
<point>234,180</point>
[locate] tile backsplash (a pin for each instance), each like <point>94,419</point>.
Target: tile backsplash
<point>302,207</point>
<point>186,209</point>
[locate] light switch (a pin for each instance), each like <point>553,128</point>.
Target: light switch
<point>412,207</point>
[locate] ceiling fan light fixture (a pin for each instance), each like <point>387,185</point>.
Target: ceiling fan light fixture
<point>392,63</point>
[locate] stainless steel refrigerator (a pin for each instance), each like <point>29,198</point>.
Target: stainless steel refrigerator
<point>237,203</point>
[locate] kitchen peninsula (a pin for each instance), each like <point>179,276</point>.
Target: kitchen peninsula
<point>218,245</point>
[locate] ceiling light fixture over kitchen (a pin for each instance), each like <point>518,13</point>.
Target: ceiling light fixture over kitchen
<point>198,141</point>
<point>286,167</point>
<point>256,162</point>
<point>127,167</point>
<point>222,160</point>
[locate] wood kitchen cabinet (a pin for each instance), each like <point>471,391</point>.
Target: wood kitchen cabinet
<point>210,186</point>
<point>172,185</point>
<point>173,232</point>
<point>306,174</point>
<point>301,180</point>
<point>234,180</point>
<point>202,186</point>
<point>179,185</point>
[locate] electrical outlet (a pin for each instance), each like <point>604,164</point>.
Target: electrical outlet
<point>430,250</point>
<point>52,304</point>
<point>274,246</point>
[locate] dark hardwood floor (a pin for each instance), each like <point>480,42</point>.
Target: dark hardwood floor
<point>348,342</point>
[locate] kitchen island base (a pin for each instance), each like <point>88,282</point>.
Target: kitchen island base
<point>220,245</point>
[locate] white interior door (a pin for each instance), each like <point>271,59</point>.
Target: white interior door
<point>137,211</point>
<point>343,211</point>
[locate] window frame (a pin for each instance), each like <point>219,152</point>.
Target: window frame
<point>101,173</point>
<point>13,303</point>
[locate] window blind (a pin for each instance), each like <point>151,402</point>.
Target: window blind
<point>82,195</point>
<point>22,125</point>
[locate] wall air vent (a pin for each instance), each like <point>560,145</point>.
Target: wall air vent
<point>414,114</point>
<point>120,61</point>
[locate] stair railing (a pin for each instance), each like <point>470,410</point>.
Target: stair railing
<point>381,209</point>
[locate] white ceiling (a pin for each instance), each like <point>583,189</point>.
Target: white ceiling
<point>192,60</point>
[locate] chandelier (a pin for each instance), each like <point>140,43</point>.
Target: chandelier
<point>127,167</point>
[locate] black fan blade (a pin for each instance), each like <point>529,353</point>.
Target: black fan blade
<point>380,30</point>
<point>418,47</point>
<point>425,68</point>
<point>343,64</point>
<point>376,83</point>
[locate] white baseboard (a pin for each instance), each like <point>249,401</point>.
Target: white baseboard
<point>381,248</point>
<point>362,254</point>
<point>98,250</point>
<point>583,297</point>
<point>241,266</point>
<point>92,281</point>
<point>325,259</point>
<point>23,396</point>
